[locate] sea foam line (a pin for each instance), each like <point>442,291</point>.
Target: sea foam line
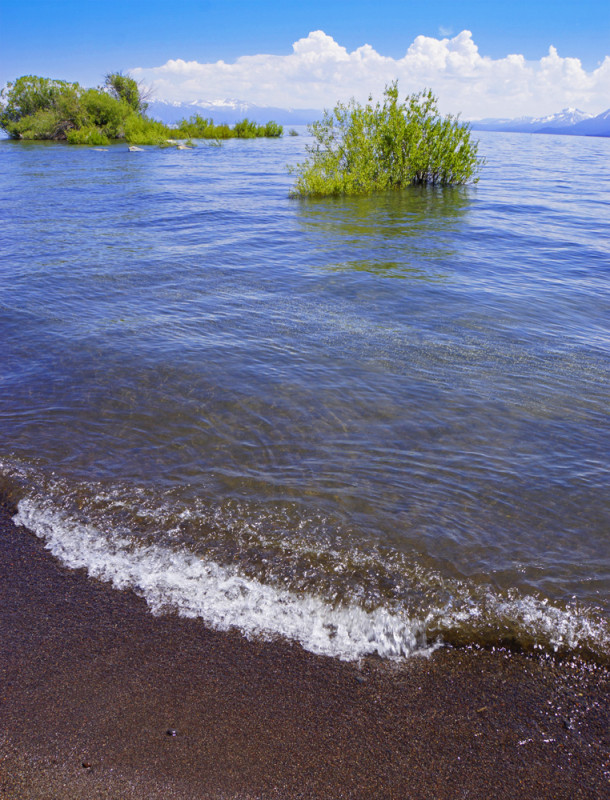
<point>219,595</point>
<point>225,599</point>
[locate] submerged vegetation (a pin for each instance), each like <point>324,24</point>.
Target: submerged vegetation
<point>363,149</point>
<point>32,107</point>
<point>201,128</point>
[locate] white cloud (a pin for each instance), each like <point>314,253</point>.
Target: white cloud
<point>319,71</point>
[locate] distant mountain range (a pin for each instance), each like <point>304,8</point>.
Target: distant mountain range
<point>570,121</point>
<point>230,112</point>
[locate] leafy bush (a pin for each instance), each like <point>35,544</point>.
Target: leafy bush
<point>363,149</point>
<point>272,130</point>
<point>198,127</point>
<point>40,125</point>
<point>124,88</point>
<point>30,94</point>
<point>245,129</point>
<point>141,130</point>
<point>105,112</point>
<point>39,108</point>
<point>88,135</point>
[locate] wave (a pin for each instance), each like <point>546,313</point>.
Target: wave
<point>178,581</point>
<point>220,596</point>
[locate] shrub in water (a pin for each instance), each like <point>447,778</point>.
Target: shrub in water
<point>363,149</point>
<point>142,130</point>
<point>271,130</point>
<point>89,135</point>
<point>246,129</point>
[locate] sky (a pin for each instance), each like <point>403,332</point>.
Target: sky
<point>483,58</point>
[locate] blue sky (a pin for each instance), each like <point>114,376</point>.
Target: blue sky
<point>83,40</point>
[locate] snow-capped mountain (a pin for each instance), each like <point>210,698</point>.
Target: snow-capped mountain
<point>563,119</point>
<point>594,126</point>
<point>570,121</point>
<point>229,111</point>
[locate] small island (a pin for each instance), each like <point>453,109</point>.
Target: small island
<point>43,108</point>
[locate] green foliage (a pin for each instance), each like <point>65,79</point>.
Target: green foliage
<point>292,132</point>
<point>30,94</point>
<point>87,135</point>
<point>39,108</point>
<point>271,130</point>
<point>105,112</point>
<point>363,149</point>
<point>141,130</point>
<point>123,87</point>
<point>245,129</point>
<point>198,127</point>
<point>41,125</point>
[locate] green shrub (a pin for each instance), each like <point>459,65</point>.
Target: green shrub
<point>42,125</point>
<point>126,89</point>
<point>29,94</point>
<point>363,149</point>
<point>196,126</point>
<point>105,112</point>
<point>88,135</point>
<point>39,108</point>
<point>272,130</point>
<point>245,129</point>
<point>142,130</point>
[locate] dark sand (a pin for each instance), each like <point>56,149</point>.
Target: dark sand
<point>91,682</point>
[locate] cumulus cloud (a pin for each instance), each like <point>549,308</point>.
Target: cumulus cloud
<point>320,71</point>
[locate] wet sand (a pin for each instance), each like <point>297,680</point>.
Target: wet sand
<point>99,699</point>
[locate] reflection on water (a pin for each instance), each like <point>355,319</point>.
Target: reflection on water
<point>405,234</point>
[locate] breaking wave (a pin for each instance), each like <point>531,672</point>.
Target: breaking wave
<point>181,582</point>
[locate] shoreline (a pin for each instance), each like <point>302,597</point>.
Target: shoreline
<point>100,699</point>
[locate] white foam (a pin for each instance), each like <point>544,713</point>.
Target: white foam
<point>219,595</point>
<point>177,580</point>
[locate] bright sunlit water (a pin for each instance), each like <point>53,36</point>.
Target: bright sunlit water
<point>363,424</point>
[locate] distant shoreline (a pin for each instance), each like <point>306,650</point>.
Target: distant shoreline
<point>103,700</point>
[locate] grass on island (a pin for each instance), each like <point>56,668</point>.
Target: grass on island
<point>32,107</point>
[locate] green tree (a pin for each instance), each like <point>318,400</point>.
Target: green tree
<point>32,107</point>
<point>363,149</point>
<point>43,107</point>
<point>124,87</point>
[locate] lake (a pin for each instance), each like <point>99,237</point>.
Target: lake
<point>370,425</point>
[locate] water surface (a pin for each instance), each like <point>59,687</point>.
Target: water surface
<point>362,423</point>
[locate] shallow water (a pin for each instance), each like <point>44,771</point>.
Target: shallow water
<point>363,424</point>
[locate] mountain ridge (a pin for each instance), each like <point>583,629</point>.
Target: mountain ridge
<point>569,121</point>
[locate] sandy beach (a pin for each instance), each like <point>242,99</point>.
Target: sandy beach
<point>100,699</point>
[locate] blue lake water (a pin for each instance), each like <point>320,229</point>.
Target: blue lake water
<point>366,424</point>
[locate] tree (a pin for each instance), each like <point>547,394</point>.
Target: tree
<point>389,145</point>
<point>40,106</point>
<point>124,87</point>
